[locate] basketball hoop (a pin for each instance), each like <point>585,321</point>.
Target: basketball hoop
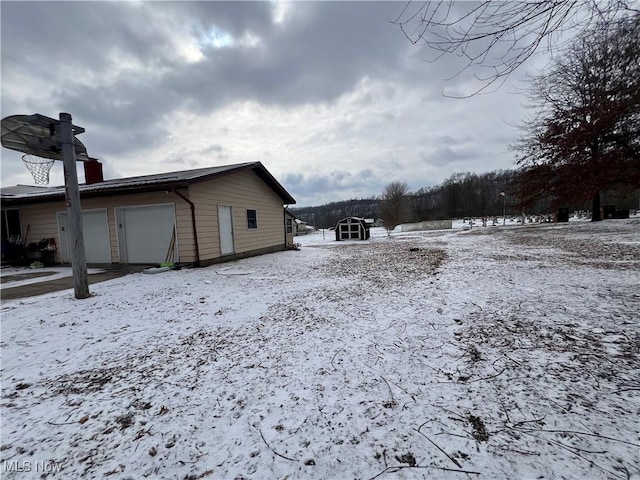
<point>43,140</point>
<point>39,167</point>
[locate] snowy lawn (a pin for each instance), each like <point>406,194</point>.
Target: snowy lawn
<point>484,353</point>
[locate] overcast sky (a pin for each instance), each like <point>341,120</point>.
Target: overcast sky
<point>329,96</point>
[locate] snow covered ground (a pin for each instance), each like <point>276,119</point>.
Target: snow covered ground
<point>484,353</point>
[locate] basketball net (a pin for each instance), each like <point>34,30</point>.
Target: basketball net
<point>39,167</point>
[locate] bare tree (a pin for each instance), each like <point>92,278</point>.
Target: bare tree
<point>585,136</point>
<point>396,207</point>
<point>498,36</point>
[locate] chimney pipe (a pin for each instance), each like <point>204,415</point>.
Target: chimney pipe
<point>93,172</point>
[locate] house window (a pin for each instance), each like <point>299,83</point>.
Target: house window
<point>289,225</point>
<point>252,219</point>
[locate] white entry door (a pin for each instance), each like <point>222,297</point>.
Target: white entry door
<point>95,230</point>
<point>225,225</point>
<point>147,234</point>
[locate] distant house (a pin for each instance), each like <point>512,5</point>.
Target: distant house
<point>199,217</point>
<point>301,227</point>
<point>352,228</point>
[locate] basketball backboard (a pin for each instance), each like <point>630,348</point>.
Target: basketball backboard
<point>47,140</point>
<point>38,135</point>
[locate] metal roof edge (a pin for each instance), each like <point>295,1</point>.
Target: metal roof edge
<point>111,187</point>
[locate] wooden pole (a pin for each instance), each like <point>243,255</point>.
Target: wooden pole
<point>74,211</point>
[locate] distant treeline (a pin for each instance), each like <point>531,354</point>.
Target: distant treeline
<point>461,195</point>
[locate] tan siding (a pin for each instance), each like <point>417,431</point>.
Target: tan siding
<point>243,190</point>
<point>41,222</point>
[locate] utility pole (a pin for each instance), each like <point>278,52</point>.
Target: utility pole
<point>74,211</point>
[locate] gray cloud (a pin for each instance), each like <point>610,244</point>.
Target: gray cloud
<point>332,82</point>
<point>445,155</point>
<point>338,184</point>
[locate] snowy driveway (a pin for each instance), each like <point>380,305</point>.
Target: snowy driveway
<point>484,353</point>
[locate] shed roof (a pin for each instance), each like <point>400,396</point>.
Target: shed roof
<point>357,219</point>
<point>145,183</point>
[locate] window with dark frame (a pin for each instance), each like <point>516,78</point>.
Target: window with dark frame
<point>289,225</point>
<point>252,219</point>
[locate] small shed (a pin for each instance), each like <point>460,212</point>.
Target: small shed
<point>352,228</point>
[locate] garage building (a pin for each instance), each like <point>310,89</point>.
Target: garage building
<point>200,216</point>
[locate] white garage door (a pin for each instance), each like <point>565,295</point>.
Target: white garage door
<point>95,230</point>
<point>145,233</point>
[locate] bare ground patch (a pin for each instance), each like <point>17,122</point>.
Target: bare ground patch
<point>618,250</point>
<point>393,261</point>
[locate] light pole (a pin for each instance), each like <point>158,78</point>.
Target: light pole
<point>504,210</point>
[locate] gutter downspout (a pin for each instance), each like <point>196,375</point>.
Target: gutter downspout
<point>284,215</point>
<point>284,221</point>
<point>193,224</point>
